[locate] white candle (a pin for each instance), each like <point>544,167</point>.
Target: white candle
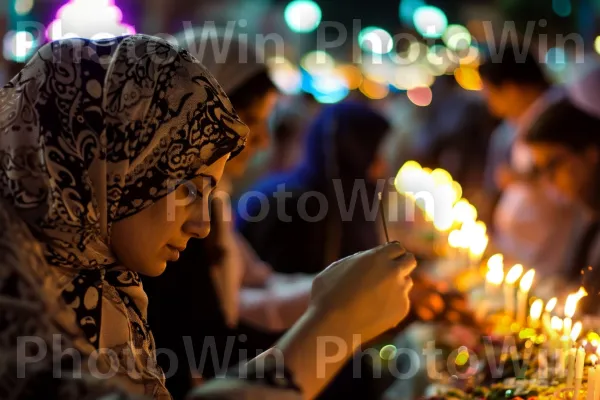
<point>509,289</point>
<point>571,367</point>
<point>546,318</point>
<point>591,384</point>
<point>579,364</point>
<point>523,297</point>
<point>567,325</point>
<point>597,384</point>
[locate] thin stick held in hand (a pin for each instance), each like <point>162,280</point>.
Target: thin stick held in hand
<point>382,213</point>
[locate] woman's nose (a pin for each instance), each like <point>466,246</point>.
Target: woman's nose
<point>198,224</point>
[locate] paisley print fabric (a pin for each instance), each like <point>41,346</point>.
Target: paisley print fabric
<point>92,132</point>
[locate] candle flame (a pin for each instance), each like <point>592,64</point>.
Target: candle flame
<point>514,274</point>
<point>551,304</point>
<point>527,281</point>
<point>581,293</point>
<point>535,312</point>
<point>455,239</point>
<point>496,262</point>
<point>571,305</point>
<point>464,212</point>
<point>495,276</point>
<point>576,331</point>
<point>478,245</point>
<point>556,324</point>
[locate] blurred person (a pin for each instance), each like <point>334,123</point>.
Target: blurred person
<point>98,198</point>
<point>565,147</point>
<point>248,305</point>
<point>525,214</point>
<point>454,134</point>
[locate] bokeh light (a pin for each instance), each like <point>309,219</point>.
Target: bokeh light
<point>302,16</point>
<point>420,96</point>
<point>18,45</point>
<point>457,37</point>
<point>329,88</point>
<point>88,19</point>
<point>318,62</point>
<point>375,40</point>
<point>597,44</point>
<point>23,7</point>
<point>556,59</point>
<point>562,8</point>
<point>412,76</point>
<point>441,60</point>
<point>285,75</point>
<point>374,90</point>
<point>351,74</point>
<point>468,77</point>
<point>408,8</point>
<point>430,21</point>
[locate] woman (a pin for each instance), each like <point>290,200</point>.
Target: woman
<point>111,149</point>
<point>243,295</point>
<point>565,146</point>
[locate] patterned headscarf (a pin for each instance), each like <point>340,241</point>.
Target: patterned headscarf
<point>92,132</point>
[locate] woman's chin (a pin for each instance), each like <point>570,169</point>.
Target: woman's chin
<point>153,270</point>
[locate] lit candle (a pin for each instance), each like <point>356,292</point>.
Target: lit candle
<point>591,383</point>
<point>564,359</point>
<point>535,312</point>
<point>597,381</point>
<point>523,296</point>
<point>493,280</point>
<point>571,356</point>
<point>570,307</point>
<point>509,289</point>
<point>575,332</point>
<point>546,319</point>
<point>579,365</point>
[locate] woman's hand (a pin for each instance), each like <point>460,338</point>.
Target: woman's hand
<point>365,294</point>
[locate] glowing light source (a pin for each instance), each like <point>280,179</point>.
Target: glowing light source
<point>374,90</point>
<point>318,62</point>
<point>18,46</point>
<point>329,89</point>
<point>408,8</point>
<point>413,76</point>
<point>535,312</point>
<point>23,7</point>
<point>430,21</point>
<point>576,331</point>
<point>527,280</point>
<point>556,59</point>
<point>420,96</point>
<point>597,44</point>
<point>285,75</point>
<point>375,40</point>
<point>457,37</point>
<point>514,274</point>
<point>468,78</point>
<point>351,74</point>
<point>88,19</point>
<point>562,8</point>
<point>302,16</point>
<point>496,262</point>
<point>388,352</point>
<point>551,304</point>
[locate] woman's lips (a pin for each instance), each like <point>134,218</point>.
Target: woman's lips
<point>173,253</point>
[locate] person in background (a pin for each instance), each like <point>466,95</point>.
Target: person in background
<point>525,214</point>
<point>565,146</point>
<point>248,305</point>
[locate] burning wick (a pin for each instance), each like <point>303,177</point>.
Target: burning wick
<point>382,213</point>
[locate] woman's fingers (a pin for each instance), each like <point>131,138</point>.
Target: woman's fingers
<point>405,264</point>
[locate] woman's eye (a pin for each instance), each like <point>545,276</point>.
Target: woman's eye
<point>187,190</point>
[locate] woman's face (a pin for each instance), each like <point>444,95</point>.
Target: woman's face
<point>257,118</point>
<point>145,241</point>
<point>571,173</point>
